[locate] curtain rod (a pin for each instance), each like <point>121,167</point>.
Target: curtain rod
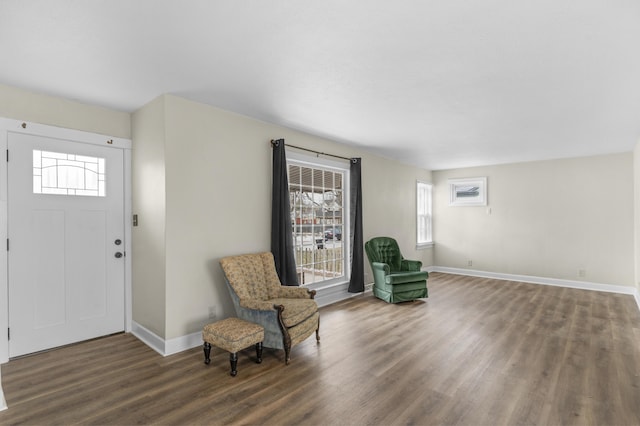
<point>273,142</point>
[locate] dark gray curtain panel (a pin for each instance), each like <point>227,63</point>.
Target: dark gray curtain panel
<point>281,233</point>
<point>356,283</point>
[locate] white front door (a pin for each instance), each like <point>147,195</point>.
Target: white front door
<point>66,242</point>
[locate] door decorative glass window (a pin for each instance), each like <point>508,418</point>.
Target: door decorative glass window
<point>68,174</point>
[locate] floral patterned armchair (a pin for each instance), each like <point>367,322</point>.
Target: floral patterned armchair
<point>288,314</point>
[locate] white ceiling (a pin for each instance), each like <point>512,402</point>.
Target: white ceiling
<point>440,84</point>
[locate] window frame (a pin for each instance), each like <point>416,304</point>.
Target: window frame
<point>424,241</point>
<point>299,159</point>
<point>478,199</point>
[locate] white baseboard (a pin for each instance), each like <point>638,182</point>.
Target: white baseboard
<point>148,337</point>
<point>324,297</point>
<point>337,293</point>
<point>3,402</point>
<point>582,285</point>
<point>330,295</point>
<point>166,347</point>
<point>334,294</point>
<point>183,343</point>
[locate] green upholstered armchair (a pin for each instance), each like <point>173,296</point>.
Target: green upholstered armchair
<point>288,314</point>
<point>395,279</point>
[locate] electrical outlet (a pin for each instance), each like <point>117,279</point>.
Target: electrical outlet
<point>582,273</point>
<point>212,312</point>
<point>470,263</point>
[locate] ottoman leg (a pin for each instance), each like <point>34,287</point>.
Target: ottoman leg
<point>207,352</point>
<point>233,358</point>
<point>259,352</point>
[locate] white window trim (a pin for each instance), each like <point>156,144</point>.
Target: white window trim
<point>311,161</point>
<point>424,244</point>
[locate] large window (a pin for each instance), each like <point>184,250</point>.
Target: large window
<point>424,215</point>
<point>317,194</point>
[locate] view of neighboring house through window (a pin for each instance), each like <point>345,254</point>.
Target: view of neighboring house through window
<point>424,214</point>
<point>318,215</point>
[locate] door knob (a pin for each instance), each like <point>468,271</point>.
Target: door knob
<point>118,255</point>
<point>118,242</point>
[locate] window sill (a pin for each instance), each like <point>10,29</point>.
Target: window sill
<point>330,293</point>
<point>423,246</point>
<point>324,286</point>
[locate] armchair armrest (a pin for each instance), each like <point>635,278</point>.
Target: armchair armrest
<point>381,267</point>
<point>257,305</point>
<point>380,270</point>
<point>411,265</point>
<point>296,293</point>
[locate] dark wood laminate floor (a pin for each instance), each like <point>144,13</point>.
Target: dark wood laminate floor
<point>477,352</point>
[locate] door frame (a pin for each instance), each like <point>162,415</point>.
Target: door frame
<point>8,126</point>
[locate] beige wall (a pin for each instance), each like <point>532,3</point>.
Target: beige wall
<point>389,204</point>
<point>21,104</point>
<point>547,219</point>
<point>218,191</point>
<point>149,203</point>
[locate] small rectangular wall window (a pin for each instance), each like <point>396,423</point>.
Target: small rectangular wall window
<point>68,174</point>
<point>424,215</point>
<point>468,192</point>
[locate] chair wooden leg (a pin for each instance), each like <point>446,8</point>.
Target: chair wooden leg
<point>287,352</point>
<point>286,342</point>
<point>286,339</point>
<point>207,352</point>
<point>318,331</point>
<point>259,352</point>
<point>233,358</point>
